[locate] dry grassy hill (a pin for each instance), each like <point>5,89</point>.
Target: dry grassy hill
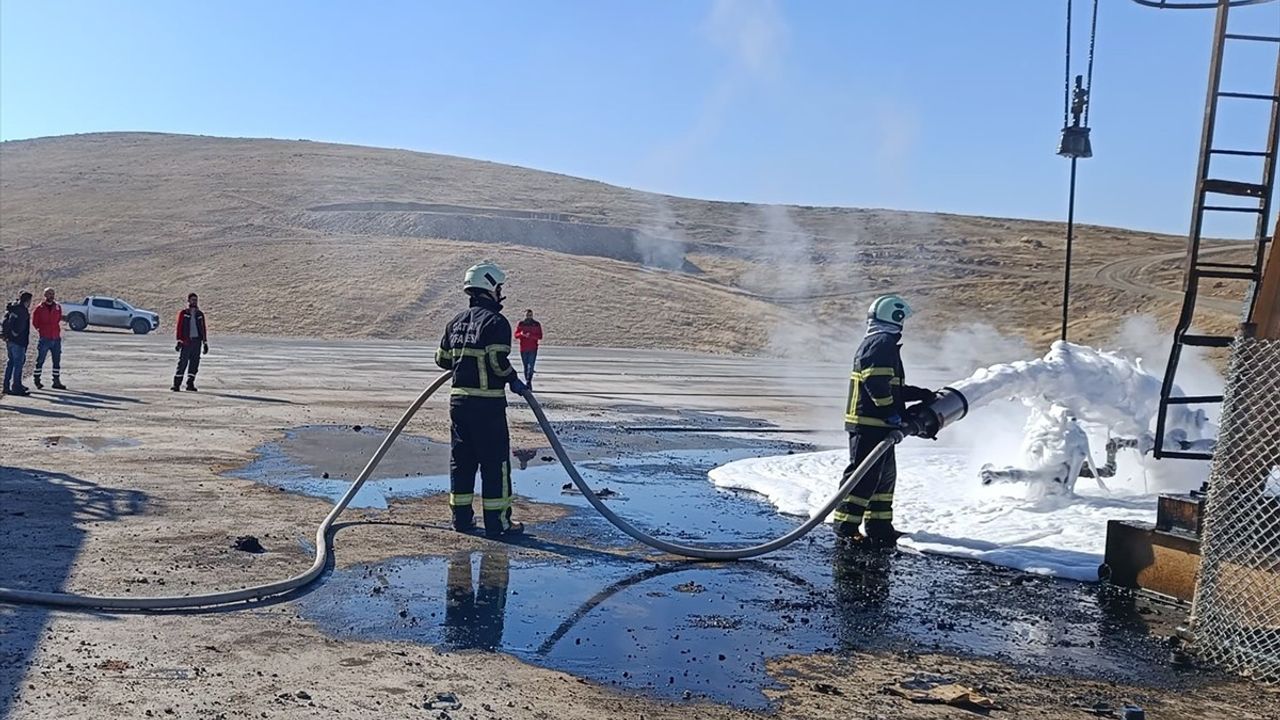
<point>301,238</point>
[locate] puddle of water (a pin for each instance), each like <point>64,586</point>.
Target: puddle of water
<point>697,630</point>
<point>702,630</point>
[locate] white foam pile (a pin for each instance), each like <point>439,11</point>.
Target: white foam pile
<point>941,500</point>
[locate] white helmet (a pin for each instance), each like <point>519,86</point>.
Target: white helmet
<point>484,276</point>
<point>891,309</point>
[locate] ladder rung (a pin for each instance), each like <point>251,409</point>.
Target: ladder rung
<point>1224,266</point>
<point>1179,455</point>
<point>1255,38</point>
<point>1249,96</point>
<point>1242,153</point>
<point>1206,340</point>
<point>1195,399</point>
<point>1228,208</point>
<point>1228,274</point>
<point>1235,187</point>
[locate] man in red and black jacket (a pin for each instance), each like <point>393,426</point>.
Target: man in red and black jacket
<point>193,340</point>
<point>47,320</point>
<point>529,333</point>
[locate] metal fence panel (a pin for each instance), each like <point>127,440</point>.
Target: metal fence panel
<point>1236,615</point>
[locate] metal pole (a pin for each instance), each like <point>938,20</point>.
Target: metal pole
<point>1066,271</point>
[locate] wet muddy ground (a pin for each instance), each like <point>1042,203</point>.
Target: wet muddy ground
<point>580,597</point>
<point>145,491</point>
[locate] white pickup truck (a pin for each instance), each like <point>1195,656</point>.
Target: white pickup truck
<point>109,312</point>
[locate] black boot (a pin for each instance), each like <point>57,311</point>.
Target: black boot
<point>513,530</point>
<point>191,384</point>
<point>177,385</point>
<point>57,385</point>
<point>39,385</point>
<point>464,520</point>
<point>882,533</point>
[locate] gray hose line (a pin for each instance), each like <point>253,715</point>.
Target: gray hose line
<point>324,544</point>
<point>168,602</point>
<point>706,553</point>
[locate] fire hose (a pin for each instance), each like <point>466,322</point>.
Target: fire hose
<point>948,407</point>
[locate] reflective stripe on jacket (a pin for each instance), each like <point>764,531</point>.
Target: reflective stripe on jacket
<point>877,388</point>
<point>475,347</point>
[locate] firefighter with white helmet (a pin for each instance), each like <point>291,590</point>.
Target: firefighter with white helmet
<point>877,401</point>
<point>475,347</point>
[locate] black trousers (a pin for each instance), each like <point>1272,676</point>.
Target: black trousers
<point>480,441</point>
<point>188,362</point>
<point>872,497</point>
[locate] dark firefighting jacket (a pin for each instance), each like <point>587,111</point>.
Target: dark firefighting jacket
<point>475,347</point>
<point>877,389</point>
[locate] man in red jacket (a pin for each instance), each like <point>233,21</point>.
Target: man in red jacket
<point>528,332</point>
<point>47,320</point>
<point>193,340</point>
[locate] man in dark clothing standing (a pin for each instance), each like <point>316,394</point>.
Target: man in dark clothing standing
<point>529,333</point>
<point>877,401</point>
<point>47,320</point>
<point>16,331</point>
<point>193,340</point>
<point>475,347</point>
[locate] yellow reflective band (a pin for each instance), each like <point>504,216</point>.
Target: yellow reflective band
<point>482,392</point>
<point>497,503</point>
<point>882,402</point>
<point>497,348</point>
<point>884,497</point>
<point>868,421</point>
<point>466,352</point>
<point>497,370</point>
<point>844,517</point>
<point>460,499</point>
<point>855,500</point>
<point>873,372</point>
<point>880,515</point>
<point>895,380</point>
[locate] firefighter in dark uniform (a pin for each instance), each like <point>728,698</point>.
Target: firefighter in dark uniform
<point>876,406</point>
<point>475,347</point>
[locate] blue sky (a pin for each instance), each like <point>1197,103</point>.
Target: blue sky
<point>933,105</point>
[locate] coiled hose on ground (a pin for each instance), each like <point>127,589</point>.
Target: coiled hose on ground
<point>324,537</point>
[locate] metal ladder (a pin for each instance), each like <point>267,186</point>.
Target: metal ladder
<point>1207,189</point>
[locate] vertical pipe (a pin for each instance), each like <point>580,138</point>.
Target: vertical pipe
<point>1066,271</point>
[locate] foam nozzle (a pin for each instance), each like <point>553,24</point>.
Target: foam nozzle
<point>927,419</point>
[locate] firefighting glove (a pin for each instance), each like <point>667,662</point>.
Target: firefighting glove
<point>206,348</point>
<point>518,387</point>
<point>177,347</point>
<point>908,427</point>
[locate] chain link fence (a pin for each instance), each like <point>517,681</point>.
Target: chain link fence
<point>1236,616</point>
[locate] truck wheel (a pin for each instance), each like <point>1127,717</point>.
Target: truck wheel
<point>140,326</point>
<point>76,322</point>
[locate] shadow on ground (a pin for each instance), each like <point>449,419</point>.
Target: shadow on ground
<point>41,530</point>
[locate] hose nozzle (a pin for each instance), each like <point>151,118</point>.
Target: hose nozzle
<point>926,419</point>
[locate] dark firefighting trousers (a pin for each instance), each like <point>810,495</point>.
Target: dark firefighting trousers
<point>872,497</point>
<point>480,442</point>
